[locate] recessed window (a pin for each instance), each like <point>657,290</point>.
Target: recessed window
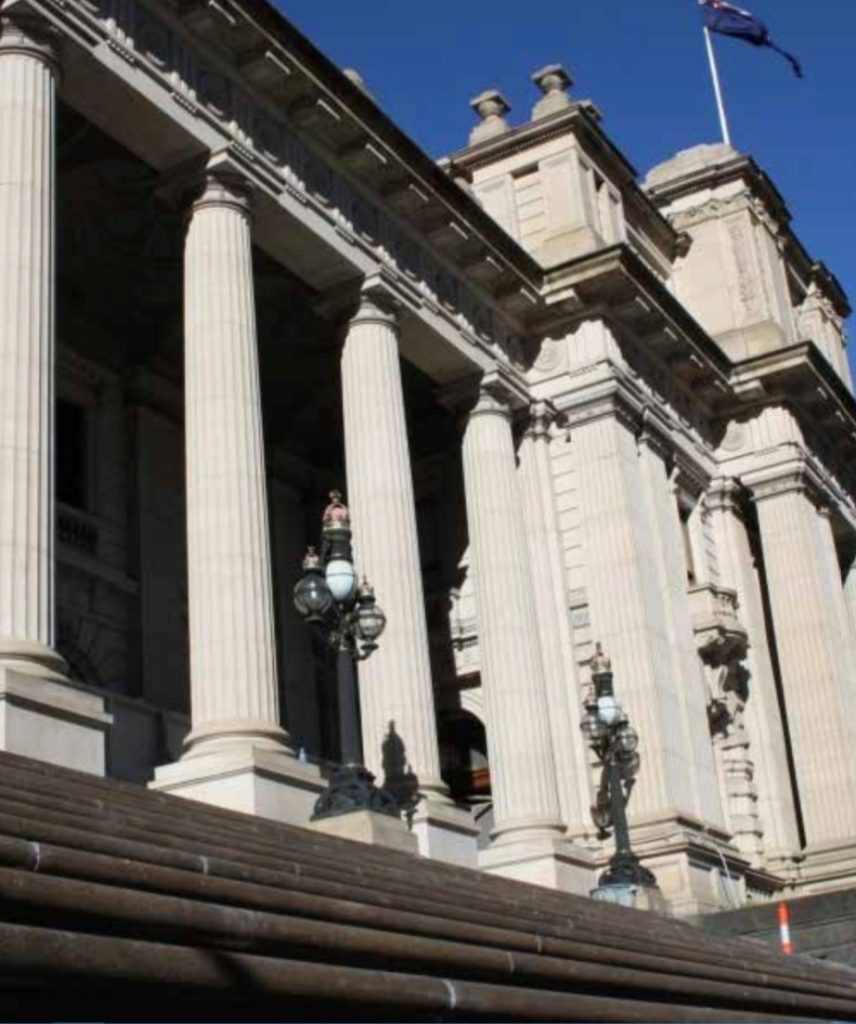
<point>72,454</point>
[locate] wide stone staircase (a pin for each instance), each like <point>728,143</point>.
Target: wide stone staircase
<point>118,904</point>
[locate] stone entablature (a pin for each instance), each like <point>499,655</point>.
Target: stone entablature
<point>277,124</point>
<point>769,448</point>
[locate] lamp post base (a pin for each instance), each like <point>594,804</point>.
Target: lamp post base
<point>637,897</point>
<point>625,869</point>
<point>352,788</point>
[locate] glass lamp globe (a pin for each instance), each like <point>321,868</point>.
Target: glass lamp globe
<point>628,739</point>
<point>609,710</point>
<point>371,620</point>
<point>341,579</point>
<point>592,727</point>
<point>312,597</point>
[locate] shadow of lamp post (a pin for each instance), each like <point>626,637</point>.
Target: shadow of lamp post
<point>615,742</point>
<point>327,597</point>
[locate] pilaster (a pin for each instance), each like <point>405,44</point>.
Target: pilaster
<point>671,567</point>
<point>808,613</point>
<point>551,601</point>
<point>42,715</point>
<point>762,714</point>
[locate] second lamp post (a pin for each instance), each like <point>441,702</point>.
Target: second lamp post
<point>329,597</point>
<point>615,742</point>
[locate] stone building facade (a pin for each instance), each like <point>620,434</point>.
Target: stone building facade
<point>566,407</point>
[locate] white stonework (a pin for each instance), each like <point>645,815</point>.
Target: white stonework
<point>808,617</point>
<point>236,752</point>
<point>660,458</point>
<point>551,600</point>
<point>396,693</point>
<point>763,719</point>
<point>525,796</point>
<point>42,716</point>
<point>527,810</point>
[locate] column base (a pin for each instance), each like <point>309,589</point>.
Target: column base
<point>698,870</point>
<point>254,780</point>
<point>48,718</point>
<point>446,833</point>
<point>369,827</point>
<point>550,863</point>
<point>826,867</point>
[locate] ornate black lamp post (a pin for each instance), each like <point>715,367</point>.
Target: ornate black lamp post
<point>328,597</point>
<point>610,735</point>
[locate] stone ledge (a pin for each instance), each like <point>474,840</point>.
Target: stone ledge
<point>447,833</point>
<point>551,863</point>
<point>53,721</point>
<point>254,780</point>
<point>369,827</point>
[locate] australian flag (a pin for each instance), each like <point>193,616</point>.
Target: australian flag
<point>729,20</point>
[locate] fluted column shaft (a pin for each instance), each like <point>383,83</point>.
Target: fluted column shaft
<point>525,796</point>
<point>232,654</point>
<point>668,555</point>
<point>763,716</point>
<point>815,663</point>
<point>27,327</point>
<point>624,587</point>
<point>397,697</point>
<point>557,649</point>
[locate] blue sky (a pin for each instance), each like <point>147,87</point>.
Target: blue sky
<point>644,65</point>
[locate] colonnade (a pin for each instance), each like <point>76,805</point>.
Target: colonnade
<point>237,752</point>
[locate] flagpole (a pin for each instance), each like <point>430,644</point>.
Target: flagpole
<point>717,87</point>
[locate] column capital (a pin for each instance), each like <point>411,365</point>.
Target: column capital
<point>499,392</point>
<point>539,418</point>
<point>376,304</point>
<point>795,476</point>
<point>218,178</point>
<point>222,190</point>
<point>725,494</point>
<point>30,35</point>
<point>651,438</point>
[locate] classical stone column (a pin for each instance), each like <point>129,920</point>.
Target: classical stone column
<point>551,601</point>
<point>232,657</point>
<point>806,599</point>
<point>32,678</point>
<point>396,693</point>
<point>527,812</point>
<point>235,731</point>
<point>761,715</point>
